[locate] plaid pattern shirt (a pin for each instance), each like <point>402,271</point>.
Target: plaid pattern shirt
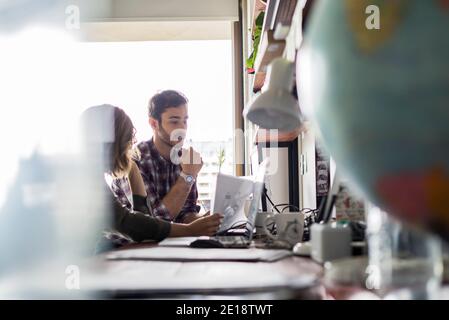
<point>159,176</point>
<point>121,189</point>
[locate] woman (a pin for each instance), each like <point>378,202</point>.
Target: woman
<point>111,129</point>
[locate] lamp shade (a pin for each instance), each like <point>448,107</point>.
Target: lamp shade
<point>275,107</point>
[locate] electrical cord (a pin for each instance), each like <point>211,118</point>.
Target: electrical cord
<point>281,204</point>
<point>290,206</point>
<point>272,226</point>
<point>271,202</point>
<point>310,215</point>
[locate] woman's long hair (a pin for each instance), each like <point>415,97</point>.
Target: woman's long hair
<point>110,129</point>
<point>124,138</point>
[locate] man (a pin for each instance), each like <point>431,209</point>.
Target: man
<point>169,172</point>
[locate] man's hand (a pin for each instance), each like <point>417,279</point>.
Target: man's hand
<point>191,162</point>
<point>207,225</point>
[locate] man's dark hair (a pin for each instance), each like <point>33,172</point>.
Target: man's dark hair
<point>163,100</point>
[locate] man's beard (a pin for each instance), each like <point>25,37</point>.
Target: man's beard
<point>165,137</point>
<point>175,146</point>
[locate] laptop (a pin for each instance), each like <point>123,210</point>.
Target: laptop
<point>243,240</point>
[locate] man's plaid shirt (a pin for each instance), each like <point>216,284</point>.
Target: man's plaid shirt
<point>159,176</point>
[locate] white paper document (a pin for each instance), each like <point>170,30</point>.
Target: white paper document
<point>177,242</point>
<point>164,276</point>
<point>230,196</point>
<point>197,254</point>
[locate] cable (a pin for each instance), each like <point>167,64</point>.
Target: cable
<point>290,206</point>
<point>305,211</point>
<point>272,204</point>
<point>320,213</point>
<point>282,204</point>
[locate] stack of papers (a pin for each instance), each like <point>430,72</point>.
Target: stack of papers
<point>162,277</point>
<point>174,253</point>
<point>177,242</point>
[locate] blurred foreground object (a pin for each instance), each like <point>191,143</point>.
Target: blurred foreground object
<point>380,98</point>
<point>404,263</point>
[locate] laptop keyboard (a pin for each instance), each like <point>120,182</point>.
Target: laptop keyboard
<point>233,241</point>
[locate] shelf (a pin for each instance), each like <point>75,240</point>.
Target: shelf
<point>270,12</point>
<point>273,42</point>
<point>259,80</point>
<point>269,48</point>
<point>282,26</point>
<point>284,17</point>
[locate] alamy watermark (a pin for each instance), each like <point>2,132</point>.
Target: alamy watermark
<point>372,22</point>
<point>72,20</point>
<point>267,140</point>
<point>373,279</point>
<point>72,281</point>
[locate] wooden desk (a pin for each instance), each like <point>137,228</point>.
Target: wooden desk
<point>293,268</point>
<point>138,275</point>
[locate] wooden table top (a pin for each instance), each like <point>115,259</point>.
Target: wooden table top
<point>295,273</point>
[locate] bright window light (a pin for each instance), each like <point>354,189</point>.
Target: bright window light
<point>47,80</point>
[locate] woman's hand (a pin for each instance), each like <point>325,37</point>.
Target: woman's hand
<point>207,225</point>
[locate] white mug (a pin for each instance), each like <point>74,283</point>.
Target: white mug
<point>289,226</point>
<point>261,216</point>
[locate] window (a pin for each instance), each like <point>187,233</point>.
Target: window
<point>127,74</point>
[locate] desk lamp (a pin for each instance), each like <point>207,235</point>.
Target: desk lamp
<point>275,107</point>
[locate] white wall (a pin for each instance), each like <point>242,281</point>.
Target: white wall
<point>155,30</point>
<point>277,182</point>
<point>156,20</point>
<point>158,10</point>
<point>307,169</point>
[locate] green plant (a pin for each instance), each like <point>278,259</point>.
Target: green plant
<point>256,40</point>
<point>221,158</point>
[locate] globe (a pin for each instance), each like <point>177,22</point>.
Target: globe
<point>374,77</point>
